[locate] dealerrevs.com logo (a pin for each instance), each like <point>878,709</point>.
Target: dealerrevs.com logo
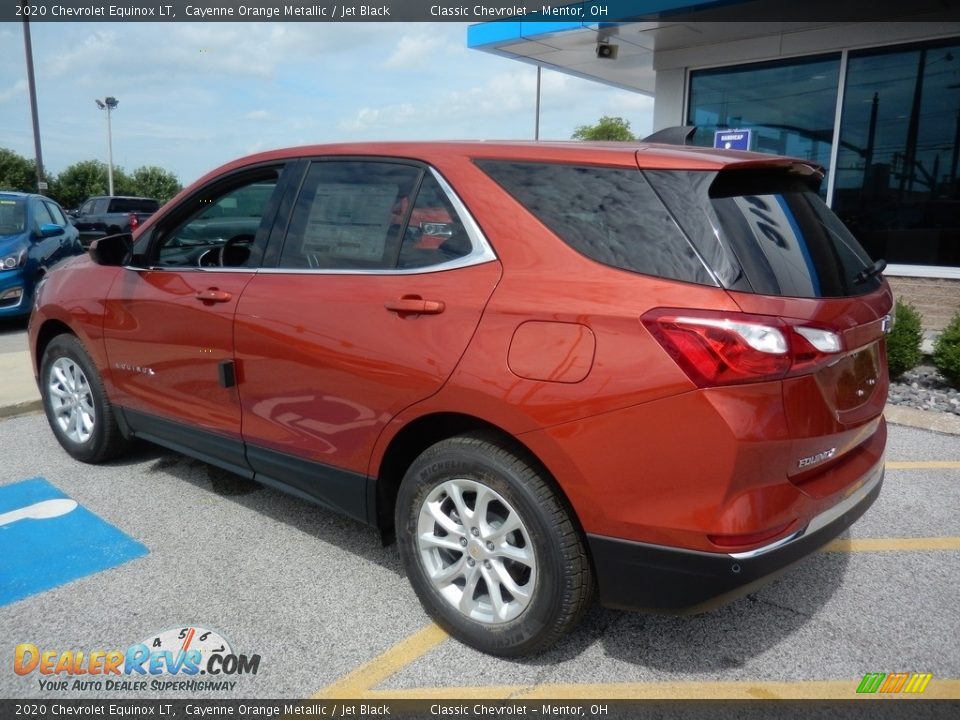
<point>188,659</point>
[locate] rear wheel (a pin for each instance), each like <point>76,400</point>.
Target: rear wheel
<point>76,404</point>
<point>490,548</point>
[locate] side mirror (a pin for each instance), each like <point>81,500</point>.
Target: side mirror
<point>112,251</point>
<point>48,230</point>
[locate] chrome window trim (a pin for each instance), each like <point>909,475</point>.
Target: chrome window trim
<point>189,268</point>
<point>824,518</point>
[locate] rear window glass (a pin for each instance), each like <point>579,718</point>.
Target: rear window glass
<point>766,232</point>
<point>122,205</point>
<point>611,215</point>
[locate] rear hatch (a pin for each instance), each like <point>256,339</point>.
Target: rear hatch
<point>774,245</point>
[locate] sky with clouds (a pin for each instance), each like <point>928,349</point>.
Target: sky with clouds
<point>195,95</point>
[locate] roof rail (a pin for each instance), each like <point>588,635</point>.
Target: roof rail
<point>678,135</point>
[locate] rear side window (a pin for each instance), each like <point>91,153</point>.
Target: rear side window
<point>122,205</point>
<point>611,215</point>
<point>765,231</point>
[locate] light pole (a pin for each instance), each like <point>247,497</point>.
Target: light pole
<point>31,83</point>
<point>109,104</point>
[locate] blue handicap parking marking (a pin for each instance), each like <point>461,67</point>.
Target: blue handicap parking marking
<point>47,539</point>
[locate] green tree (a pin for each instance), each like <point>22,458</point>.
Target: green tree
<point>79,181</point>
<point>16,172</point>
<point>154,182</point>
<point>607,128</point>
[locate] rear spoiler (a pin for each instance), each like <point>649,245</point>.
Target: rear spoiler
<point>678,135</point>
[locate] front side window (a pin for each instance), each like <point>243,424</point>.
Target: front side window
<point>41,216</point>
<point>369,215</point>
<point>57,214</point>
<point>221,226</point>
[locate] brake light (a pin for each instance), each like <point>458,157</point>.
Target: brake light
<point>727,348</point>
<point>134,221</point>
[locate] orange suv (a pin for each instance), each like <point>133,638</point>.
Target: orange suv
<point>648,373</point>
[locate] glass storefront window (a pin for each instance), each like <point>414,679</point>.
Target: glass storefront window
<point>897,186</point>
<point>789,106</point>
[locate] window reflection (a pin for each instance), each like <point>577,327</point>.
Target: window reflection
<point>790,106</point>
<point>897,172</point>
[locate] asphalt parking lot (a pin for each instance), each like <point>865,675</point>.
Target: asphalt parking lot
<point>330,613</point>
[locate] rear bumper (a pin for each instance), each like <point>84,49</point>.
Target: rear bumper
<point>640,576</point>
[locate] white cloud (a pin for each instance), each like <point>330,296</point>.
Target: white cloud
<point>193,95</point>
<point>18,88</point>
<point>415,51</point>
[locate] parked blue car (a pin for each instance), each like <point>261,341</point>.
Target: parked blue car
<point>34,236</point>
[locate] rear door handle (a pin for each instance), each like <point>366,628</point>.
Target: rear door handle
<point>213,295</point>
<point>415,305</point>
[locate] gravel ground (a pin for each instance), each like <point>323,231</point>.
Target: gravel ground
<point>925,389</point>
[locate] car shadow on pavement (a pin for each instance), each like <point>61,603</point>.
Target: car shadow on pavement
<point>326,525</point>
<point>13,325</point>
<point>722,639</point>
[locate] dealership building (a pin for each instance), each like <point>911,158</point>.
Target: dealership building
<point>877,103</point>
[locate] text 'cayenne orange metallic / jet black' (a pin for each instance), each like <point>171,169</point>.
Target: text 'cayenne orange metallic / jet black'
<point>648,373</point>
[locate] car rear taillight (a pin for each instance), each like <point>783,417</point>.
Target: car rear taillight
<point>134,221</point>
<point>726,348</point>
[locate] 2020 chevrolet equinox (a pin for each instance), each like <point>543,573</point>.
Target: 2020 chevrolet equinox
<point>553,371</point>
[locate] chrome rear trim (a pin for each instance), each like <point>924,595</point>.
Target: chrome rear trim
<point>824,518</point>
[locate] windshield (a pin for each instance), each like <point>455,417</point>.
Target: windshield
<point>13,216</point>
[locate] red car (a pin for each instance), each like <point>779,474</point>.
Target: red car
<point>649,373</point>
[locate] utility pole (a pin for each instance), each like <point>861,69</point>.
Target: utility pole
<point>31,83</point>
<point>536,125</point>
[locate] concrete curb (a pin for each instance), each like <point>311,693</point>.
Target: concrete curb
<point>24,408</point>
<point>940,422</point>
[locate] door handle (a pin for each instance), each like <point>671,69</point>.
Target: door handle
<point>213,295</point>
<point>415,305</point>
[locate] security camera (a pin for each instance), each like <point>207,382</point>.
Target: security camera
<point>606,50</point>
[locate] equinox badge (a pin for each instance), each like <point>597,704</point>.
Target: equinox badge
<point>816,459</point>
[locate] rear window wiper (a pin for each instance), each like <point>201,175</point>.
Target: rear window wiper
<point>870,271</point>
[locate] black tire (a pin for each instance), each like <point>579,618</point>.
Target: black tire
<point>548,597</point>
<point>95,437</point>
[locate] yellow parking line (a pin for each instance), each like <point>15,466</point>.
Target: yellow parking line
<point>928,544</point>
<point>358,681</point>
<point>924,465</point>
<point>938,689</point>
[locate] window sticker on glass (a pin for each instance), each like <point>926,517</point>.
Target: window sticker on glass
<point>349,221</point>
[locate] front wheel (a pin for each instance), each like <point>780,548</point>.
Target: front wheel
<point>490,548</point>
<point>76,404</point>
